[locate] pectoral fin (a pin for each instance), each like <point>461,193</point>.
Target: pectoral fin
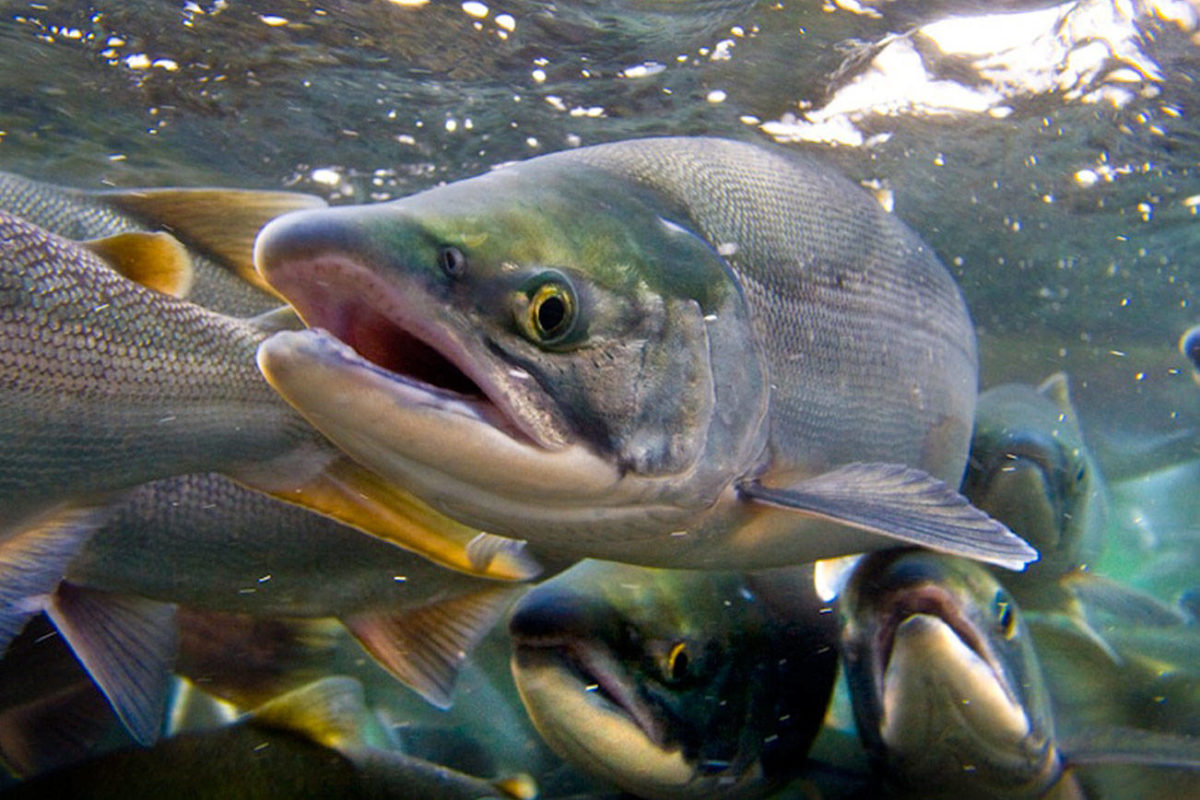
<point>220,222</point>
<point>1119,745</point>
<point>901,503</point>
<point>127,644</point>
<point>33,561</point>
<point>155,260</point>
<point>425,648</point>
<point>357,497</point>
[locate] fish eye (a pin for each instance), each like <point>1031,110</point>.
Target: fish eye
<point>677,662</point>
<point>549,315</point>
<point>1189,345</point>
<point>452,261</point>
<point>1006,615</point>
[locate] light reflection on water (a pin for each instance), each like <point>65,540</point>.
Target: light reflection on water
<point>1046,151</point>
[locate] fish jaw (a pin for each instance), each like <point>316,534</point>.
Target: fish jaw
<point>353,401</point>
<point>934,682</point>
<point>564,682</point>
<point>330,288</point>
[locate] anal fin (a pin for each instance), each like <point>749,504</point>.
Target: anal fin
<point>901,503</point>
<point>127,644</point>
<point>330,711</point>
<point>425,648</point>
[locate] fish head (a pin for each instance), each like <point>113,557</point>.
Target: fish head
<point>947,691</point>
<point>531,346</point>
<point>1030,468</point>
<point>669,684</point>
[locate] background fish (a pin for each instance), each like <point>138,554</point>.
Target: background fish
<point>599,348</point>
<point>217,225</point>
<point>949,694</point>
<point>1030,468</point>
<point>206,543</point>
<point>106,384</point>
<point>316,741</point>
<point>674,684</point>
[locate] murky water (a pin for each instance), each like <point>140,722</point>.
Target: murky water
<point>1048,153</point>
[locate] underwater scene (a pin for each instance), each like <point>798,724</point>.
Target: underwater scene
<point>580,399</point>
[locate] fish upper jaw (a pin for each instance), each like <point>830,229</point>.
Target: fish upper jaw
<point>382,319</point>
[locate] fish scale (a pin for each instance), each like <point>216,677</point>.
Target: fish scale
<point>107,384</point>
<point>836,283</point>
<point>81,215</point>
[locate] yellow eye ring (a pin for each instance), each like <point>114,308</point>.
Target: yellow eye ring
<point>677,661</point>
<point>550,314</point>
<point>1006,618</point>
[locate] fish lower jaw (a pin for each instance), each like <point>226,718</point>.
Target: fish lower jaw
<point>597,735</point>
<point>944,705</point>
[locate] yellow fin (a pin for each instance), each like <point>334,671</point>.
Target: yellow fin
<point>519,787</point>
<point>358,497</point>
<point>155,260</point>
<point>329,712</point>
<point>220,222</point>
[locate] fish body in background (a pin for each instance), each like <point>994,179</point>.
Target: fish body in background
<point>676,684</point>
<point>106,384</point>
<point>947,691</point>
<point>1030,468</point>
<point>317,741</point>
<point>683,352</point>
<point>217,225</point>
<point>949,695</point>
<point>209,545</point>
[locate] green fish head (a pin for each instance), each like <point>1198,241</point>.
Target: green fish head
<point>669,684</point>
<point>524,344</point>
<point>1030,469</point>
<point>947,691</point>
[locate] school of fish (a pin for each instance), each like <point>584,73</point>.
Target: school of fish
<point>654,468</point>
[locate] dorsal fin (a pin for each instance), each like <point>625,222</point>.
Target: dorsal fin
<point>220,222</point>
<point>155,260</point>
<point>1057,387</point>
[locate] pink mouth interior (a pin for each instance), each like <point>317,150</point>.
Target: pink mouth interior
<point>347,312</point>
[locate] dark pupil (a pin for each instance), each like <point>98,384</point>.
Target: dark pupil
<point>453,261</point>
<point>550,314</point>
<point>1006,617</point>
<point>679,666</point>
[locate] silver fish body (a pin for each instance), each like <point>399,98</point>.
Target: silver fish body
<point>82,215</point>
<point>596,349</point>
<point>108,384</point>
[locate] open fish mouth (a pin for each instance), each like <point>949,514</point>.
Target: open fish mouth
<point>933,601</point>
<point>594,676</point>
<point>410,389</point>
<point>375,320</point>
<point>932,657</point>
